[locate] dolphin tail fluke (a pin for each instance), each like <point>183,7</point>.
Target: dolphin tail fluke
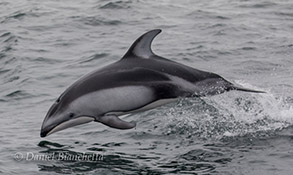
<point>246,90</point>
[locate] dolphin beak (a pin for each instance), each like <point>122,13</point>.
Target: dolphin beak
<point>44,132</point>
<point>50,127</point>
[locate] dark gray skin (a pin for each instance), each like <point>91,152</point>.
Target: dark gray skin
<point>139,81</point>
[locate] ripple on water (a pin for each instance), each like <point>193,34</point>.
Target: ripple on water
<point>117,5</point>
<point>96,21</point>
<point>93,57</point>
<point>258,5</point>
<point>7,41</point>
<point>186,167</point>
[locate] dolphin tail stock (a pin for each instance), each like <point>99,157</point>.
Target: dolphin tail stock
<point>245,89</point>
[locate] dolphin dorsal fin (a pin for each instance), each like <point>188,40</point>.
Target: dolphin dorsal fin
<point>142,46</point>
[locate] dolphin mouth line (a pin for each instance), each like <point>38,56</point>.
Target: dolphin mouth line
<point>67,124</point>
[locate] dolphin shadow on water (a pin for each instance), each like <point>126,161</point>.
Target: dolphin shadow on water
<point>140,81</point>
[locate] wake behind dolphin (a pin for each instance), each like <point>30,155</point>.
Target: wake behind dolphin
<point>140,81</point>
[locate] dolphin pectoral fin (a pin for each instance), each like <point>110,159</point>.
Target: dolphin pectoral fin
<point>115,122</point>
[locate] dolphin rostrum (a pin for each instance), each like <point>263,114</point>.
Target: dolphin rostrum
<point>141,80</point>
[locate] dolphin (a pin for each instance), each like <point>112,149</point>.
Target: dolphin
<point>140,81</point>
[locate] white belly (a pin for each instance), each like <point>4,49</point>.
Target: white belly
<point>146,107</point>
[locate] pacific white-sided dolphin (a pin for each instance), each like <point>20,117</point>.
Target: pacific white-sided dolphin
<point>141,80</point>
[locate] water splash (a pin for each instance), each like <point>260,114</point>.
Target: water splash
<point>230,114</point>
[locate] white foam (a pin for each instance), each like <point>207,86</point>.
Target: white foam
<point>230,114</point>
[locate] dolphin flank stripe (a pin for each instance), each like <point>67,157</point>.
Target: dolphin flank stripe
<point>140,81</point>
<point>110,79</point>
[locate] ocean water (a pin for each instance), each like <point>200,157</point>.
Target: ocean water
<point>47,45</point>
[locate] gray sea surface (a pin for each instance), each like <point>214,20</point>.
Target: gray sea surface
<point>47,45</point>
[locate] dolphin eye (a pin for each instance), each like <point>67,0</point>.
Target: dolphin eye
<point>58,100</point>
<point>71,115</point>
